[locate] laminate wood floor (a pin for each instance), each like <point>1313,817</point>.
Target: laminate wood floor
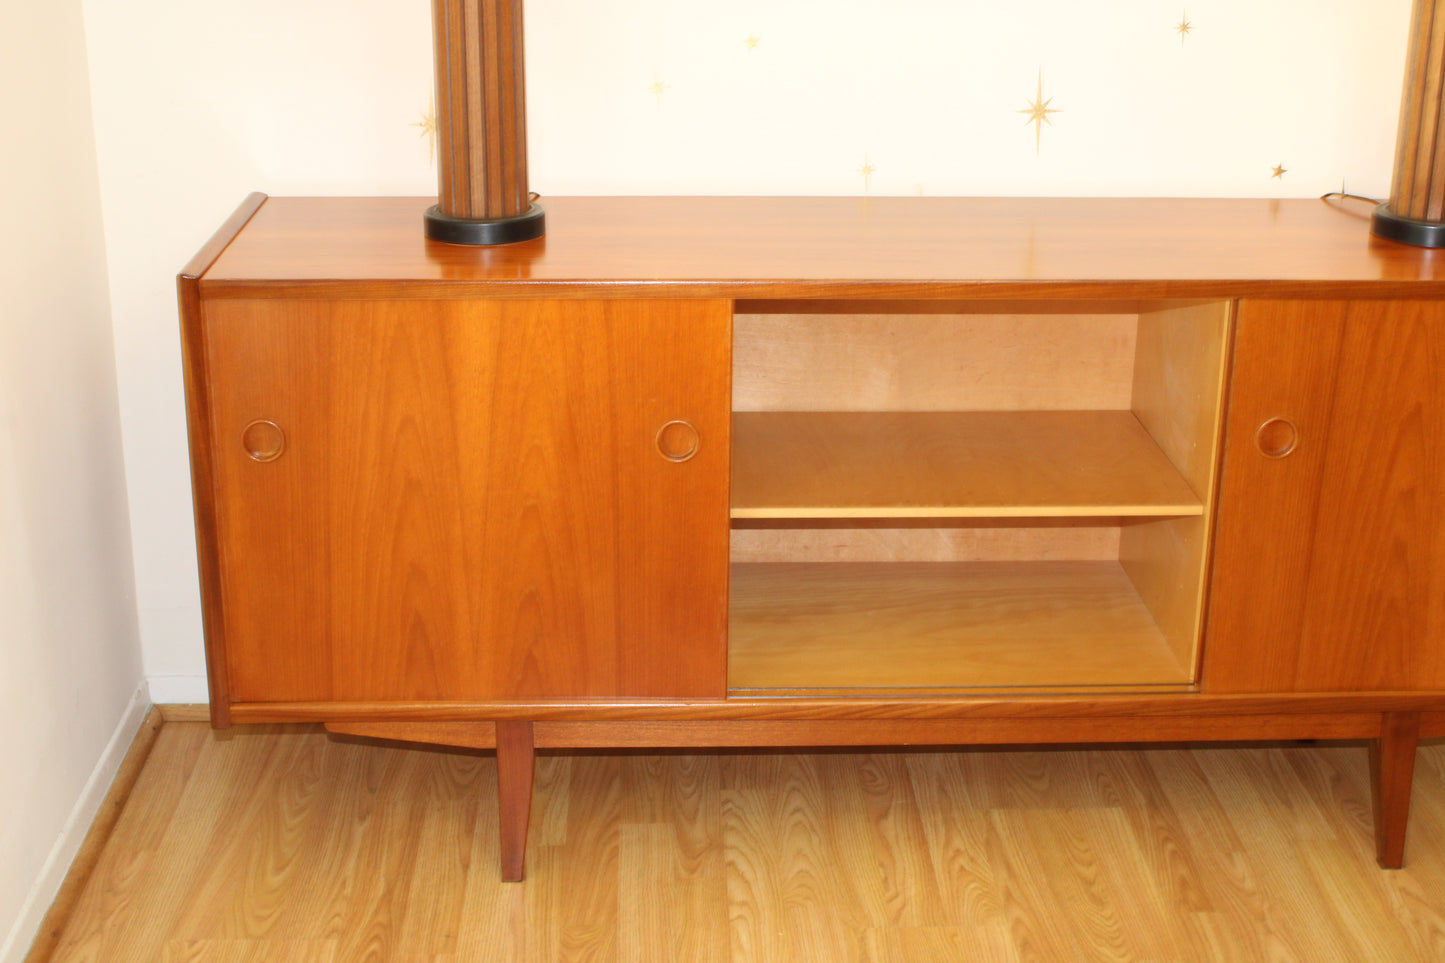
<point>284,845</point>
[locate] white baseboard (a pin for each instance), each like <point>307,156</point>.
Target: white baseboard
<point>179,690</point>
<point>57,864</point>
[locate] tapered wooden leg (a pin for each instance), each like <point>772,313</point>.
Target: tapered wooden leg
<point>515,765</point>
<point>1392,771</point>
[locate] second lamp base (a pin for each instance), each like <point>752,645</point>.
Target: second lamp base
<point>500,230</point>
<point>1387,224</point>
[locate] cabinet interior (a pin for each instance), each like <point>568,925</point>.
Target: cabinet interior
<point>930,496</point>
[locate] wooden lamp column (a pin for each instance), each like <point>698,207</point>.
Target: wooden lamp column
<point>1415,212</point>
<point>481,125</point>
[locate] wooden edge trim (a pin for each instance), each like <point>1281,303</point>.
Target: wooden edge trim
<point>977,521</point>
<point>198,430</point>
<point>735,734</point>
<point>1216,483</point>
<point>88,856</point>
<point>949,732</point>
<point>462,735</point>
<point>361,289</point>
<point>879,694</point>
<point>189,712</point>
<point>1139,707</point>
<point>223,237</point>
<point>969,306</point>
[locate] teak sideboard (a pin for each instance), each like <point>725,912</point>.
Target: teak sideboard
<point>727,472</point>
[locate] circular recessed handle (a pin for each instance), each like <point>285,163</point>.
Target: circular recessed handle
<point>677,440</point>
<point>1277,437</point>
<point>263,440</point>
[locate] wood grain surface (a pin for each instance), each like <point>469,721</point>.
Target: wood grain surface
<point>769,734</point>
<point>1393,756</point>
<point>470,501</point>
<point>979,704</point>
<point>958,464</point>
<point>940,625</point>
<point>279,845</point>
<point>481,108</point>
<point>1417,189</point>
<point>1331,559</point>
<point>992,543</point>
<point>93,847</point>
<point>1179,381</point>
<point>735,733</point>
<point>516,770</point>
<point>460,735</point>
<point>825,247</point>
<point>195,365</point>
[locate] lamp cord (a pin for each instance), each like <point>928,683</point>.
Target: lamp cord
<point>1347,196</point>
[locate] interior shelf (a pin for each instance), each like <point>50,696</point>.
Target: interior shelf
<point>951,464</point>
<point>932,625</point>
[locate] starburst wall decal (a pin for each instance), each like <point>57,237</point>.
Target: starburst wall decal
<point>657,88</point>
<point>1183,27</point>
<point>428,125</point>
<point>867,170</point>
<point>1038,111</point>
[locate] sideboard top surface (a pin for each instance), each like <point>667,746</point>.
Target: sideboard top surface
<point>833,247</point>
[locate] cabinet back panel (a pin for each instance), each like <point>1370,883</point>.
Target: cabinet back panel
<point>933,362</point>
<point>470,503</point>
<point>1002,544</point>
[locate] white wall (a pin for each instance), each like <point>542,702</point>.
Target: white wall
<point>70,660</point>
<point>198,103</point>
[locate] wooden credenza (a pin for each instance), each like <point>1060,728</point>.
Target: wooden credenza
<point>823,471</point>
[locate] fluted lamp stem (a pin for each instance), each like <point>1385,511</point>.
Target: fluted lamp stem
<point>481,125</point>
<point>1415,212</point>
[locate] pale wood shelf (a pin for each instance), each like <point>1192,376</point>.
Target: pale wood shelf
<point>976,464</point>
<point>936,625</point>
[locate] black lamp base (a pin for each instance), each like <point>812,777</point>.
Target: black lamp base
<point>1387,224</point>
<point>499,230</point>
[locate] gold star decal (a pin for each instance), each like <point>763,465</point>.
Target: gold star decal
<point>1279,172</point>
<point>657,88</point>
<point>753,41</point>
<point>428,125</point>
<point>1184,26</point>
<point>867,170</point>
<point>1038,111</point>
